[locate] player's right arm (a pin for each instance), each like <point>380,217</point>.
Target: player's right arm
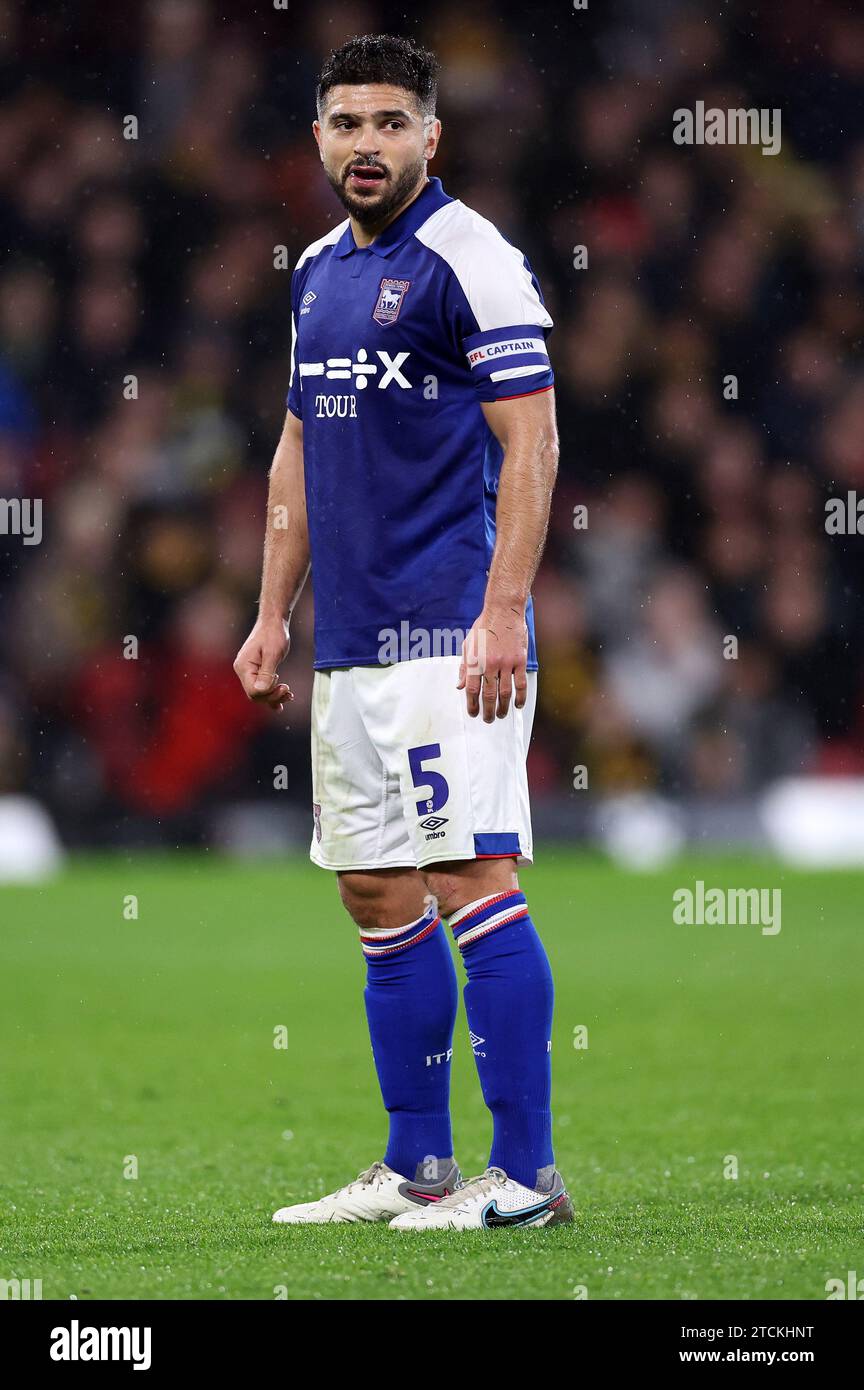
<point>286,566</point>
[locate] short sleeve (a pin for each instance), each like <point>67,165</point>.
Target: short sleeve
<point>497,314</point>
<point>509,361</point>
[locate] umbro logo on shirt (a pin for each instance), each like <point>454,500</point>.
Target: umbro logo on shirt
<point>307,300</point>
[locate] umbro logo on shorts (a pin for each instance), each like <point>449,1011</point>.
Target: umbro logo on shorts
<point>433,822</point>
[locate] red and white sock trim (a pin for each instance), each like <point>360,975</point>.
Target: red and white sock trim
<point>486,915</point>
<point>388,942</point>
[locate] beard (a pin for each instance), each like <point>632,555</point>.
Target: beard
<point>366,212</point>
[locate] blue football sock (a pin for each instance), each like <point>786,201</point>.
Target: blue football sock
<point>411,997</point>
<point>508,999</point>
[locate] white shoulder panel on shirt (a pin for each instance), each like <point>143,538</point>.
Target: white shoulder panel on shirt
<point>328,239</point>
<point>491,271</point>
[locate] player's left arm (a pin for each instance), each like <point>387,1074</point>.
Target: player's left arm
<point>495,653</point>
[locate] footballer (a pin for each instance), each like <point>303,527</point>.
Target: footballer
<point>414,475</point>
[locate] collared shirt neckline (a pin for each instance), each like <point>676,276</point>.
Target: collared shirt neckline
<point>401,228</point>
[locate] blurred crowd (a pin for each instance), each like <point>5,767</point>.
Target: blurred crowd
<point>700,632</point>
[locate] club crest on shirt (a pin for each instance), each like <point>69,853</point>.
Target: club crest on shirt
<point>391,294</point>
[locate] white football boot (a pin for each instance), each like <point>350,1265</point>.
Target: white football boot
<point>376,1195</point>
<point>490,1201</point>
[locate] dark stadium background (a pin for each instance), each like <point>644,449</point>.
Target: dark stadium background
<point>154,257</point>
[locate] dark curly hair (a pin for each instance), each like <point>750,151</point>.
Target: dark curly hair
<point>382,58</point>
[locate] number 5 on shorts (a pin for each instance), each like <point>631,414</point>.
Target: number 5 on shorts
<point>426,777</point>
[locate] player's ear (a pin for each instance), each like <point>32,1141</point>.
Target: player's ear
<point>433,135</point>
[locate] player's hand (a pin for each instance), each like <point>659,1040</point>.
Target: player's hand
<point>258,660</point>
<point>494,661</point>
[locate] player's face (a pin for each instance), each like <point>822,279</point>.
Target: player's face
<point>374,144</point>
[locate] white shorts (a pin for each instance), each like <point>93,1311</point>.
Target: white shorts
<point>402,776</point>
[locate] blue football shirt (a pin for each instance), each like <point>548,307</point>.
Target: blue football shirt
<point>394,347</point>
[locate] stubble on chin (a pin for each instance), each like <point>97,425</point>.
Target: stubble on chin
<point>369,213</point>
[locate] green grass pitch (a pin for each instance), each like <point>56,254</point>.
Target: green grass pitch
<point>153,1038</point>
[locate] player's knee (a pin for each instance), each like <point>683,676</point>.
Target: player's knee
<point>361,897</point>
<point>383,899</point>
<point>454,885</point>
<point>447,892</point>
